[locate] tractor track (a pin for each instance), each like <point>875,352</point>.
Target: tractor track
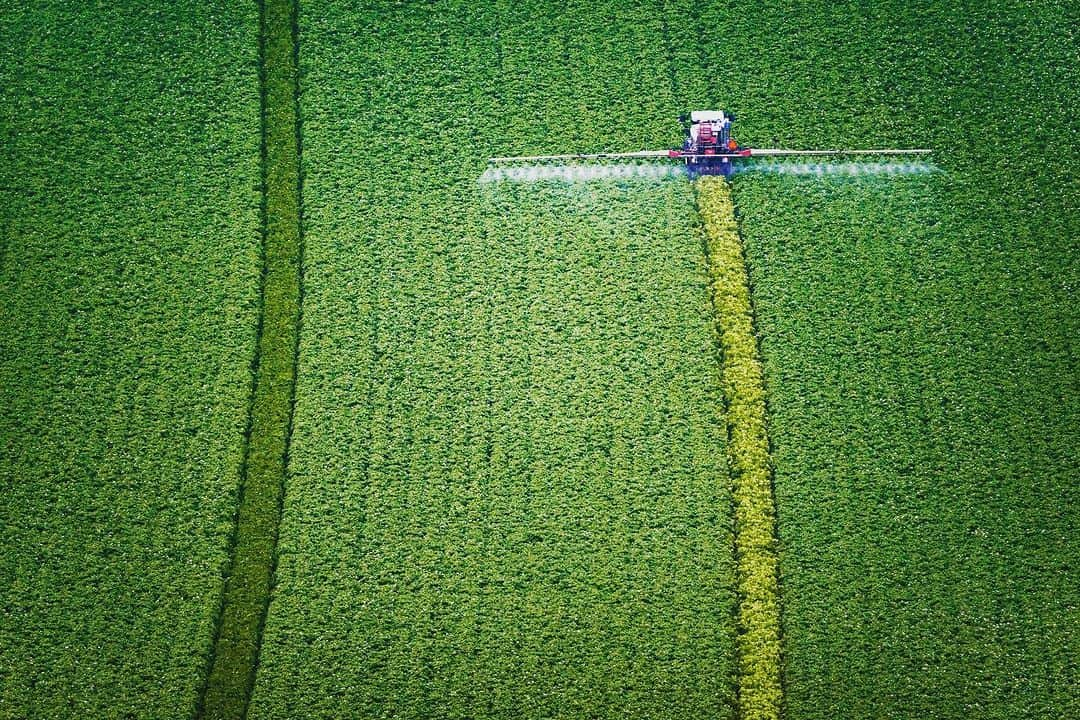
<point>759,646</point>
<point>778,576</point>
<point>757,615</point>
<point>253,547</point>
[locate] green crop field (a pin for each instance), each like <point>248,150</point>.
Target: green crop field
<point>920,341</point>
<point>508,494</point>
<point>303,414</point>
<point>129,213</point>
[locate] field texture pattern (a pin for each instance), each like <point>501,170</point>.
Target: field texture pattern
<point>509,493</point>
<point>527,420</point>
<point>129,229</point>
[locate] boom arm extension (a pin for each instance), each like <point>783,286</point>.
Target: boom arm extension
<point>777,152</point>
<point>745,152</point>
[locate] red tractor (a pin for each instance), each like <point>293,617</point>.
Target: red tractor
<point>708,148</point>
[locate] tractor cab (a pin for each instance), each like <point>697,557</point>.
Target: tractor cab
<point>708,147</point>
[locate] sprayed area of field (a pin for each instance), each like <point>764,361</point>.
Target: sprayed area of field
<point>584,171</point>
<point>581,172</point>
<point>836,168</point>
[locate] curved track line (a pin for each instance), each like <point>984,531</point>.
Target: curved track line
<point>248,584</point>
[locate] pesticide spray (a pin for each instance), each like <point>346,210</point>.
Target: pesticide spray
<point>581,172</point>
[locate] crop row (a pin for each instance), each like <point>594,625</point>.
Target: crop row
<point>748,457</point>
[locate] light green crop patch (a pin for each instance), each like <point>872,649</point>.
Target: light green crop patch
<point>748,458</point>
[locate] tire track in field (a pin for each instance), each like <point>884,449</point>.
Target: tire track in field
<point>758,617</point>
<point>231,676</point>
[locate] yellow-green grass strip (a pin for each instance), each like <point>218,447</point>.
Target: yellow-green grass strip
<point>758,643</point>
<point>250,576</point>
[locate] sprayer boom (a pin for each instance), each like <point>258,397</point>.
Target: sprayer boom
<point>708,148</point>
<point>580,156</point>
<point>775,152</point>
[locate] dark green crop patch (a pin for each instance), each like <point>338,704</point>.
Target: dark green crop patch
<point>509,493</point>
<point>129,225</point>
